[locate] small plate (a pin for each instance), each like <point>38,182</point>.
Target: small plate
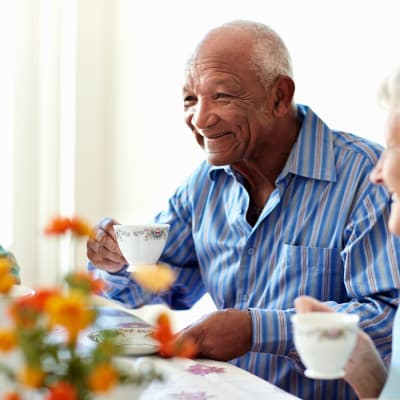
<point>310,373</point>
<point>133,340</point>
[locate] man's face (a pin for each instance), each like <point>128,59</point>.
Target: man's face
<point>225,105</point>
<point>387,170</point>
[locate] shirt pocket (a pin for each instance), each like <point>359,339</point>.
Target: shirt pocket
<point>312,271</point>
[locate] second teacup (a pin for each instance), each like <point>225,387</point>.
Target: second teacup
<point>141,244</point>
<point>324,341</point>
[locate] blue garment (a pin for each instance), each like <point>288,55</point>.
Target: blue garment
<point>323,233</point>
<point>391,390</point>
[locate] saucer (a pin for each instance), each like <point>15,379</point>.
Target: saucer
<point>311,373</point>
<point>133,340</point>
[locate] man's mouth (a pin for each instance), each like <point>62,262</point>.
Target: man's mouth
<point>217,136</point>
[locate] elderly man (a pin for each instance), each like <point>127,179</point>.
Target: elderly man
<point>281,207</point>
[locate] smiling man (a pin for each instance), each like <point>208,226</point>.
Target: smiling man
<point>281,207</point>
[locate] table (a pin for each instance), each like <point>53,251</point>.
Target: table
<point>198,379</point>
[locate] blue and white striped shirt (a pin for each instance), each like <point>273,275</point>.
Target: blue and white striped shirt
<point>323,232</point>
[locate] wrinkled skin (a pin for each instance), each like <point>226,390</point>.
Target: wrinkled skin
<point>216,334</point>
<point>387,170</point>
<point>102,249</point>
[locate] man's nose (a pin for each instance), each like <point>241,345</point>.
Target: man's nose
<point>204,116</point>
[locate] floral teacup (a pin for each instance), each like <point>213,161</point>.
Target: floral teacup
<point>324,341</point>
<point>141,244</point>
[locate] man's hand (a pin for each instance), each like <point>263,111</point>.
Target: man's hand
<point>221,335</point>
<point>365,371</point>
<point>102,249</point>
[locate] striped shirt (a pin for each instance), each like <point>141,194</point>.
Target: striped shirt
<point>323,233</point>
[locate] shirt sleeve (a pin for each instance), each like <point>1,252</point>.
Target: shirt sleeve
<point>179,253</point>
<point>370,258</point>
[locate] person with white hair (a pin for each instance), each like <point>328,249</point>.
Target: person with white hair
<point>281,207</point>
<point>365,371</point>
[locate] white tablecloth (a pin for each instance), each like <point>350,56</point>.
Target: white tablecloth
<point>206,379</point>
<point>186,379</point>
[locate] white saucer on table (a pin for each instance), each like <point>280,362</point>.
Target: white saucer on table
<point>133,340</point>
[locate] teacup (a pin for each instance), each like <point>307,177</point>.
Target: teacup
<point>324,341</point>
<point>141,244</point>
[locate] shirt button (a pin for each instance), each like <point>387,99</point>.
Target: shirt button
<point>245,297</point>
<point>250,251</point>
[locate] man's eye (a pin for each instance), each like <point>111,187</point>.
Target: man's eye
<point>189,100</point>
<point>222,95</point>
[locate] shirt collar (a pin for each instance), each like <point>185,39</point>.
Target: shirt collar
<point>312,155</point>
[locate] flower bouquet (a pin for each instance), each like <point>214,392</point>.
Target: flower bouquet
<point>43,330</point>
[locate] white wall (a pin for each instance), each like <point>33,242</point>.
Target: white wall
<point>132,147</point>
<point>340,49</point>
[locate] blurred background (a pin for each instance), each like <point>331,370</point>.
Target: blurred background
<point>91,111</point>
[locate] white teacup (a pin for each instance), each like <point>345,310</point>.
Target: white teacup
<point>141,244</point>
<point>324,341</point>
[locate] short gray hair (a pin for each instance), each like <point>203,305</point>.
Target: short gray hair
<point>389,92</point>
<point>270,57</point>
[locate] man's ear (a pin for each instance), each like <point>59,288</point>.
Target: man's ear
<point>282,93</point>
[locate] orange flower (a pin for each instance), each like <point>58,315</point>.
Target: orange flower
<point>8,340</point>
<point>7,280</point>
<point>80,227</point>
<point>57,226</point>
<point>170,346</point>
<point>84,281</point>
<point>102,378</point>
<point>6,283</point>
<point>60,225</point>
<point>12,396</point>
<point>154,277</point>
<point>31,377</point>
<point>62,391</point>
<point>26,310</point>
<point>70,311</point>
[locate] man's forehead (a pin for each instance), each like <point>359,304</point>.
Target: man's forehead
<point>212,75</point>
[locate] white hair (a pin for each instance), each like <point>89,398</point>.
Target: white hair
<point>389,92</point>
<point>269,57</point>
